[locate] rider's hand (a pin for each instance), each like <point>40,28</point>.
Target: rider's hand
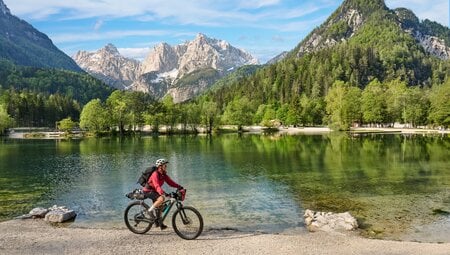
<point>180,188</point>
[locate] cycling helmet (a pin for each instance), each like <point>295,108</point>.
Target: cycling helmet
<point>161,161</point>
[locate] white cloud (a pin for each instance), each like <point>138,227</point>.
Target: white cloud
<point>85,37</point>
<point>135,53</point>
<point>301,26</point>
<point>98,25</point>
<point>257,3</point>
<point>201,12</point>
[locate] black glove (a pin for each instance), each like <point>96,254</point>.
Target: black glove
<point>180,188</point>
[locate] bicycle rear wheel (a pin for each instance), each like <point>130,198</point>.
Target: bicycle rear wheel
<point>187,223</point>
<point>135,219</point>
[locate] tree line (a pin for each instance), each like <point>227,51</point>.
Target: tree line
<point>379,103</point>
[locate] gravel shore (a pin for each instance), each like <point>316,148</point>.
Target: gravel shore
<point>39,237</point>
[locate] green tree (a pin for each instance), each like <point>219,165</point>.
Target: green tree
<point>282,113</point>
<point>209,115</point>
<point>416,107</point>
<point>5,120</point>
<point>259,114</point>
<point>137,104</point>
<point>67,125</point>
<point>119,110</point>
<point>94,117</point>
<point>440,105</point>
<point>373,103</point>
<point>343,105</point>
<point>238,112</point>
<point>293,115</point>
<point>171,114</point>
<point>193,112</point>
<point>395,97</point>
<point>269,116</point>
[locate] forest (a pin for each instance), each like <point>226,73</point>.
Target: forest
<point>379,76</point>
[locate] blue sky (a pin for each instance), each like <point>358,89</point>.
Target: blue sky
<point>264,28</point>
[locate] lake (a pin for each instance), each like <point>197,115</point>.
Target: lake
<point>397,185</point>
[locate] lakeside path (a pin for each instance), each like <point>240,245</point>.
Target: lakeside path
<point>39,237</point>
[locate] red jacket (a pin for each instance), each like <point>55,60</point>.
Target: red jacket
<point>157,180</point>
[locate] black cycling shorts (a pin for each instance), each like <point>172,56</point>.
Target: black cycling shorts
<point>153,195</point>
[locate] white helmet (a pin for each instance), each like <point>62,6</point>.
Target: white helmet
<point>161,161</point>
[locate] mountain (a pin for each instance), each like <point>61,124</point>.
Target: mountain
<point>109,66</point>
<point>23,45</point>
<point>361,42</point>
<point>353,15</point>
<point>182,71</point>
<point>433,37</point>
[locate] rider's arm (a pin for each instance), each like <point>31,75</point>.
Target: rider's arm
<point>171,182</point>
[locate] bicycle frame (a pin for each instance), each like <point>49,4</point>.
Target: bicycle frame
<point>167,206</point>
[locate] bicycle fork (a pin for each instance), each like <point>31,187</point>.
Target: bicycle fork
<point>183,215</point>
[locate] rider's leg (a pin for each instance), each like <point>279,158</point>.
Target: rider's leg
<point>157,203</point>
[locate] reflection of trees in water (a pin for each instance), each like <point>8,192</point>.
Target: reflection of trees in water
<point>365,174</point>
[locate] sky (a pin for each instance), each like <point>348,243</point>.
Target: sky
<point>263,28</point>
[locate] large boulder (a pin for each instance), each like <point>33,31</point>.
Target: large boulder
<point>321,221</point>
<point>38,212</point>
<point>59,214</point>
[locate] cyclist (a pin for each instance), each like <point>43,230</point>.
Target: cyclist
<point>154,189</point>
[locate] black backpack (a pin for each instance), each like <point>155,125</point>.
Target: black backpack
<point>143,179</point>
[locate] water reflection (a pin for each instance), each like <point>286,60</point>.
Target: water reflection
<point>392,183</point>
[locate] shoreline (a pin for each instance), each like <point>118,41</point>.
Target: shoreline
<point>39,237</point>
<point>253,130</point>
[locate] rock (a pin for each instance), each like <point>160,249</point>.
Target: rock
<point>322,221</point>
<point>59,214</point>
<point>24,217</point>
<point>38,212</point>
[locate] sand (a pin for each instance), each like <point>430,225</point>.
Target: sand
<point>39,237</point>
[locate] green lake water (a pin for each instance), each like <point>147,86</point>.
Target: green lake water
<point>398,186</point>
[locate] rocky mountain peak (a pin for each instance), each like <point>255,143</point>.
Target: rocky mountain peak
<point>111,49</point>
<point>364,6</point>
<point>108,65</point>
<point>407,17</point>
<point>4,9</point>
<point>182,71</point>
<point>162,58</point>
<point>342,25</point>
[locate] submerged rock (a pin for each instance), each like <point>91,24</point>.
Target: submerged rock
<point>316,221</point>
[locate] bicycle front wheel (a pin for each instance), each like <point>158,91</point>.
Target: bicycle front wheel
<point>135,219</point>
<point>187,222</point>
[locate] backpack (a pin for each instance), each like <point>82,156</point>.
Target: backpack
<point>143,179</point>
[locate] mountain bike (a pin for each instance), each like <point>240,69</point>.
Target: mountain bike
<point>187,222</point>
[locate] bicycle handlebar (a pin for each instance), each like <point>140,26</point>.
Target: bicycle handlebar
<point>179,194</point>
